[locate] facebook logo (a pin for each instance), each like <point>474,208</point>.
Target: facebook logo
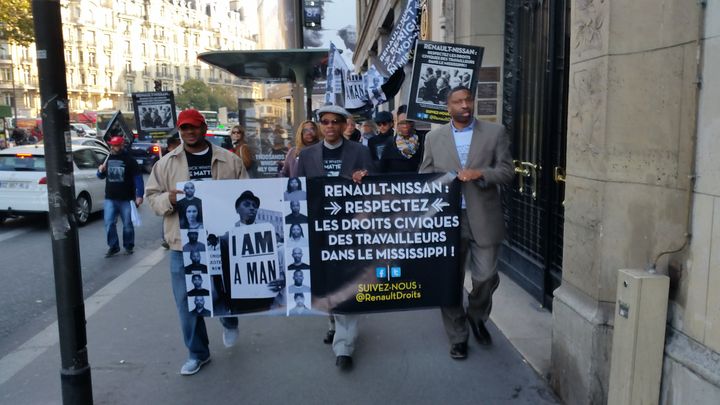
<point>381,272</point>
<point>395,272</point>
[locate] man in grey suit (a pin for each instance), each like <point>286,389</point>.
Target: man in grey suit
<point>479,152</point>
<point>336,157</point>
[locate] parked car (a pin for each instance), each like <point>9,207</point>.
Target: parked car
<point>147,153</point>
<point>83,129</point>
<point>23,182</point>
<point>90,142</point>
<point>220,138</point>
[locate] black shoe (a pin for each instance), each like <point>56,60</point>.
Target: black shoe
<point>329,336</point>
<point>112,251</point>
<point>164,244</point>
<point>458,351</point>
<point>480,332</point>
<point>344,363</point>
<point>129,251</point>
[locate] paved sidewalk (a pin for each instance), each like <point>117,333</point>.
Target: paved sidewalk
<point>136,351</point>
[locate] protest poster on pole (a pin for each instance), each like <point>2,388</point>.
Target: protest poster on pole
<point>117,126</point>
<point>438,68</point>
<point>154,114</point>
<point>310,246</point>
<point>396,53</point>
<point>266,134</point>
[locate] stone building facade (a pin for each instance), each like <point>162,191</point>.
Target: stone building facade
<point>613,110</point>
<point>116,47</point>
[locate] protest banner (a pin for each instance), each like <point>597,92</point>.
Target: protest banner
<point>154,114</point>
<point>310,246</point>
<point>386,244</point>
<point>438,68</point>
<point>396,53</point>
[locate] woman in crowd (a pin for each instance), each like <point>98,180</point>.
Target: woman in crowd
<point>307,134</point>
<point>404,152</point>
<point>241,148</point>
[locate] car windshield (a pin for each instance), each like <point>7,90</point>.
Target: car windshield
<point>220,140</point>
<point>22,162</point>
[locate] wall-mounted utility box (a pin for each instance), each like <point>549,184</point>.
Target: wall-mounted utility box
<point>638,338</point>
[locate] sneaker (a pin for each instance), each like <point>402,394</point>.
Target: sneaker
<point>230,336</point>
<point>129,251</point>
<point>164,244</point>
<point>112,251</point>
<point>344,363</point>
<point>192,366</point>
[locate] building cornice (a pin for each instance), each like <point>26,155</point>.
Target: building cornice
<point>371,29</point>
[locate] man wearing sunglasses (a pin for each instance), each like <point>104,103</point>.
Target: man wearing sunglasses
<point>196,160</point>
<point>335,156</point>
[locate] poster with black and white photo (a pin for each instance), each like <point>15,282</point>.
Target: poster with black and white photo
<point>154,113</point>
<point>438,68</point>
<point>310,246</point>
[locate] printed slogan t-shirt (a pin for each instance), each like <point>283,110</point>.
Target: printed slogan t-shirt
<point>199,164</point>
<point>120,184</point>
<point>332,160</point>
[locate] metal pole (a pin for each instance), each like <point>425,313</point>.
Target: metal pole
<point>75,378</point>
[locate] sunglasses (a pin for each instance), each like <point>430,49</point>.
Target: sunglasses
<point>331,122</point>
<point>383,123</point>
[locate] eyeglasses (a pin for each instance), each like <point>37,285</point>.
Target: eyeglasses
<point>308,131</point>
<point>236,132</point>
<point>329,122</point>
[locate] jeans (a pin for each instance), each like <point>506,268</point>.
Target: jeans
<point>193,326</point>
<point>113,209</point>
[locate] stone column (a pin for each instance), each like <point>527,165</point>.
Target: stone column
<point>631,113</point>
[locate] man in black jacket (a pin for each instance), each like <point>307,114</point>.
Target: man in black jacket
<point>123,186</point>
<point>384,121</point>
<point>335,156</point>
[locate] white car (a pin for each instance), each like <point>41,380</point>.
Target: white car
<point>89,142</point>
<point>23,182</point>
<point>83,129</point>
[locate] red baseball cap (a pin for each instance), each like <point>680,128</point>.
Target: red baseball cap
<point>192,117</point>
<point>116,140</point>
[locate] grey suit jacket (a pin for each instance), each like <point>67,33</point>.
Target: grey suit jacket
<point>490,153</point>
<point>355,156</point>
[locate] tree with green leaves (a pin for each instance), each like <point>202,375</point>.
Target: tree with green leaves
<point>196,94</point>
<point>16,22</point>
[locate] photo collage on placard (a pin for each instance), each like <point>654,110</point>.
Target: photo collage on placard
<point>195,252</point>
<point>297,250</point>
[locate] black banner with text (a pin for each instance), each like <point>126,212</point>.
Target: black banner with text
<point>302,246</point>
<point>388,243</point>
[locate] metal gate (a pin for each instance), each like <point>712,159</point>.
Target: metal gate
<point>535,115</point>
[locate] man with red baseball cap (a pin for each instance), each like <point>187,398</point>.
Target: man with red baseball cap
<point>196,160</point>
<point>123,186</point>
